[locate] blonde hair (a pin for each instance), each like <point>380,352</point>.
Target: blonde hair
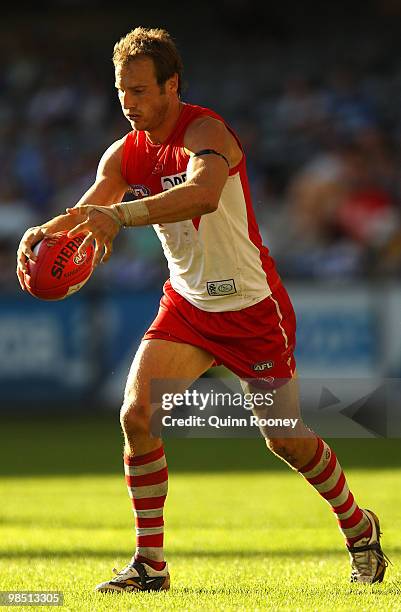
<point>154,43</point>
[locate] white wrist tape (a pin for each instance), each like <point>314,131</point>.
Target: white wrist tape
<point>107,210</point>
<point>131,213</point>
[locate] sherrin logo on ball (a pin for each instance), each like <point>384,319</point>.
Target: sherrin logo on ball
<point>79,258</point>
<point>59,270</point>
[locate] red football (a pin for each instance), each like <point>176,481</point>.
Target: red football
<point>59,270</point>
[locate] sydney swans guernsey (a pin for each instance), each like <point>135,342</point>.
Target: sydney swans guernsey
<point>217,261</point>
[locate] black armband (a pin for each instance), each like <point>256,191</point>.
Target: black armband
<point>211,152</point>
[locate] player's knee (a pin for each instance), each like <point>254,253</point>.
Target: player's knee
<point>134,419</point>
<point>286,448</point>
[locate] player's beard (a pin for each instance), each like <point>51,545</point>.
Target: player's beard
<point>159,115</point>
<point>154,118</point>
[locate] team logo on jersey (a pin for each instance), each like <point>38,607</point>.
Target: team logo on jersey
<point>172,180</point>
<point>221,287</point>
<point>262,365</point>
<point>139,191</point>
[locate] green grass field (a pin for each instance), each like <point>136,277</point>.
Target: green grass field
<point>243,531</point>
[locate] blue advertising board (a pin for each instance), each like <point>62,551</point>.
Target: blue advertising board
<point>44,350</point>
<point>338,331</point>
<point>81,348</point>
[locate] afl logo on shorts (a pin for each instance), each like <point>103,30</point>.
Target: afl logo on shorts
<point>262,365</point>
<point>139,191</point>
<point>221,287</point>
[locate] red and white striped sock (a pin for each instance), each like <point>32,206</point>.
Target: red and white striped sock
<point>325,474</point>
<point>147,478</point>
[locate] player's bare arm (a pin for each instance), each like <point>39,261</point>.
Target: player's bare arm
<point>206,176</point>
<point>108,186</point>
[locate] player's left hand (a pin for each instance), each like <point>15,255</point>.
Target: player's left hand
<point>99,227</point>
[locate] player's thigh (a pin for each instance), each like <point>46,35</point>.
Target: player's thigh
<point>284,399</point>
<point>161,366</point>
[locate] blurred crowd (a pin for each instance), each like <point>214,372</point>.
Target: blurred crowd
<point>322,145</point>
<point>328,189</point>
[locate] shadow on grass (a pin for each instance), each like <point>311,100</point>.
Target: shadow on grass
<point>46,445</point>
<point>60,523</point>
<point>341,590</point>
<point>76,553</point>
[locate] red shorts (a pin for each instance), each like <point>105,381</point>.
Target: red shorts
<point>255,342</point>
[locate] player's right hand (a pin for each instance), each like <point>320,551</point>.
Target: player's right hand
<point>24,252</point>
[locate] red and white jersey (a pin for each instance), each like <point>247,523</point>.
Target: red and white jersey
<point>217,261</point>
